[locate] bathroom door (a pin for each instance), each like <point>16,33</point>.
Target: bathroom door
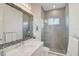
<point>54,33</point>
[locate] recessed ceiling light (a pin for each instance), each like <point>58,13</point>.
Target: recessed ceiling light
<point>54,6</point>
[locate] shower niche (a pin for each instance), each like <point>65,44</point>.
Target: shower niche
<point>27,26</point>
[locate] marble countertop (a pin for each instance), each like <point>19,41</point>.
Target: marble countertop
<point>26,49</point>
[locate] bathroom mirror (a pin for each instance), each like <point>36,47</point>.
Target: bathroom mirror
<point>27,25</point>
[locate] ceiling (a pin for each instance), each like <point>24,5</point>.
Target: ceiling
<point>49,6</point>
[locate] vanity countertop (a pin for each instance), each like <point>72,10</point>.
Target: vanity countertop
<point>27,48</point>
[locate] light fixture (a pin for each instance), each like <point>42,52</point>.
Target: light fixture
<point>54,6</point>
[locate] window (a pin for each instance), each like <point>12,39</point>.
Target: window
<point>53,21</point>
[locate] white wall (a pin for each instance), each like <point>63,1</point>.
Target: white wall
<point>36,9</point>
<point>1,23</point>
<point>74,19</point>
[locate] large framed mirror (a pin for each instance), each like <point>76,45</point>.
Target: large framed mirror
<point>27,25</point>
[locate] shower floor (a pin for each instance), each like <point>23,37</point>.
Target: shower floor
<point>58,51</point>
<point>52,53</point>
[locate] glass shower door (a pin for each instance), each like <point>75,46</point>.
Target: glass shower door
<point>54,28</point>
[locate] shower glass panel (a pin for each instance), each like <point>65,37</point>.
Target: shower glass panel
<point>53,33</point>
